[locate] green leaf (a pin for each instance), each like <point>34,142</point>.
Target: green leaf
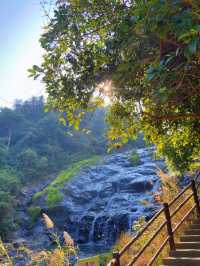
<point>62,120</point>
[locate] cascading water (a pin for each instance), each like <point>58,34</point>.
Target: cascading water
<point>104,200</point>
<point>92,231</point>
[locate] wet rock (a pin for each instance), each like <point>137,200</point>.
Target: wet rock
<point>19,242</point>
<point>85,228</point>
<point>104,200</point>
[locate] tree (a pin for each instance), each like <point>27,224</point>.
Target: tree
<point>27,163</point>
<point>9,189</point>
<point>144,55</point>
<point>31,109</point>
<point>6,211</point>
<point>9,121</point>
<point>3,155</point>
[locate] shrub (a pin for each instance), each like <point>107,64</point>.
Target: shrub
<point>134,158</point>
<point>54,196</point>
<point>34,212</point>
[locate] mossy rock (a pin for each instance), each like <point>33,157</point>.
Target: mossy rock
<point>53,190</point>
<point>135,158</point>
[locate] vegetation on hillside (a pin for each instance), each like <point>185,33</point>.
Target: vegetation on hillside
<point>35,148</point>
<point>9,190</point>
<point>52,191</point>
<point>143,55</point>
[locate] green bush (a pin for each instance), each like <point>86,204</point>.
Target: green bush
<point>54,196</point>
<point>34,212</point>
<point>6,214</point>
<point>9,189</point>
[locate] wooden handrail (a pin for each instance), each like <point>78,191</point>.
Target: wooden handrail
<point>158,251</point>
<point>147,243</point>
<point>181,205</point>
<point>184,218</point>
<point>141,232</point>
<point>196,198</point>
<point>180,194</point>
<point>169,227</point>
<point>197,175</point>
<point>168,216</point>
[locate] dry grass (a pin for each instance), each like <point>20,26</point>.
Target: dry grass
<point>168,191</point>
<point>149,252</point>
<point>60,256</point>
<point>47,221</point>
<point>68,240</point>
<point>5,259</point>
<point>169,188</point>
<point>144,202</point>
<point>57,258</point>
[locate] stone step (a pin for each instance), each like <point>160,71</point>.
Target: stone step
<point>192,232</point>
<point>185,253</point>
<point>194,226</point>
<point>197,221</point>
<point>188,245</point>
<point>190,238</point>
<point>186,261</point>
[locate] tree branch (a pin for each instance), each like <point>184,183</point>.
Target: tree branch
<point>172,117</point>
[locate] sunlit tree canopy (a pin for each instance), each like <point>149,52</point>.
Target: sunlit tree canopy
<point>144,55</point>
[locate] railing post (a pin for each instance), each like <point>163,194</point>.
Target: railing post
<point>196,199</point>
<point>116,257</point>
<point>169,226</point>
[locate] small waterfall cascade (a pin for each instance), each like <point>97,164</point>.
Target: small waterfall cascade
<point>107,198</point>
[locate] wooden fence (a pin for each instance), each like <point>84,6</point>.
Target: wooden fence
<point>168,211</point>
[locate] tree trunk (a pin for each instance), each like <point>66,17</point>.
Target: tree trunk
<point>9,138</point>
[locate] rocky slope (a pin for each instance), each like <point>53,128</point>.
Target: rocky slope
<point>101,202</point>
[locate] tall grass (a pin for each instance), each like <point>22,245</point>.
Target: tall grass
<point>5,259</point>
<point>60,256</point>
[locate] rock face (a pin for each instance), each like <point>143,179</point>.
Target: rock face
<point>104,200</point>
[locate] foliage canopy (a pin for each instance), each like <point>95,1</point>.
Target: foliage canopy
<point>143,54</point>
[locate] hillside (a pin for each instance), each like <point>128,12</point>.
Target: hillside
<point>35,148</point>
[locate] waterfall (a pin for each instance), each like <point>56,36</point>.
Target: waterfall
<point>106,200</point>
<point>92,230</point>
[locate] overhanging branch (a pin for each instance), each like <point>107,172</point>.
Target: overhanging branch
<point>172,117</point>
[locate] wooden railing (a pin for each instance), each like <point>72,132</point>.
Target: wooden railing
<point>169,211</point>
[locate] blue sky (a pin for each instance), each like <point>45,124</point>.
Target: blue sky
<point>21,24</point>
